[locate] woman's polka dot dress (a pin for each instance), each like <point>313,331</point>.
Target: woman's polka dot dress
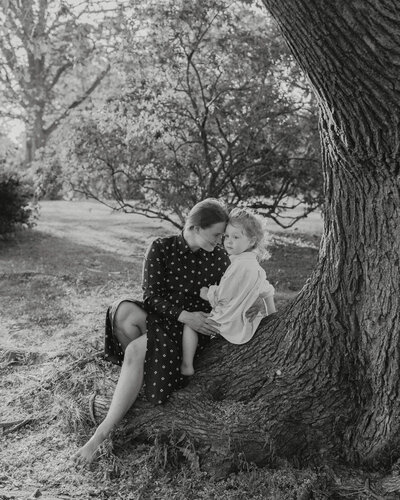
<point>172,277</point>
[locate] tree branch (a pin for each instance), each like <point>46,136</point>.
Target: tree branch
<point>13,116</point>
<point>77,102</point>
<point>59,72</point>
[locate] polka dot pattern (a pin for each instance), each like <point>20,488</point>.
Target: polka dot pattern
<point>172,278</point>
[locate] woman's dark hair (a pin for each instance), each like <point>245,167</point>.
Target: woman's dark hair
<point>206,213</point>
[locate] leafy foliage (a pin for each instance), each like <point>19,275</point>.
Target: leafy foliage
<point>212,105</point>
<point>16,195</point>
<point>16,209</point>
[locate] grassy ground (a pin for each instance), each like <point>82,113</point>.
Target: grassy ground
<point>56,282</point>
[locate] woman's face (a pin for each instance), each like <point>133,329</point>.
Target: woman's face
<point>211,236</point>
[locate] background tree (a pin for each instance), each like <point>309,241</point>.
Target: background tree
<point>320,381</point>
<point>214,106</point>
<point>16,207</point>
<point>50,60</point>
<point>8,151</point>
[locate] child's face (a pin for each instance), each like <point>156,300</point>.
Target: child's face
<point>235,240</point>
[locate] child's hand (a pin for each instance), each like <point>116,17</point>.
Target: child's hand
<point>204,292</point>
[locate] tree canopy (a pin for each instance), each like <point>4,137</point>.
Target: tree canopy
<point>210,103</point>
<point>53,55</point>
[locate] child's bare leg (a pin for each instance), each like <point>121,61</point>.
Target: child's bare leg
<point>189,345</point>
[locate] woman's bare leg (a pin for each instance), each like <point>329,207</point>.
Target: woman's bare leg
<point>129,323</point>
<point>129,383</point>
<point>189,345</point>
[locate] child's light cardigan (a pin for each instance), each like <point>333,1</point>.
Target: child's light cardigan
<point>242,283</point>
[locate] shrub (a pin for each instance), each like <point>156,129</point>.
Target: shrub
<point>16,206</point>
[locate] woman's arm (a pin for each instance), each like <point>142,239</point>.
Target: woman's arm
<point>267,294</point>
<point>265,303</point>
<point>270,305</point>
<point>154,294</point>
<point>153,283</point>
<point>200,322</point>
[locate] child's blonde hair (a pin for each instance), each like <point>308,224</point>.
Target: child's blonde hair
<point>253,226</point>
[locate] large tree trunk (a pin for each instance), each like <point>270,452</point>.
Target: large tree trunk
<point>36,95</point>
<point>321,378</point>
<point>350,50</point>
<point>35,136</point>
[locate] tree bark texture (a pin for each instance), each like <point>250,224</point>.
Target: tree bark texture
<point>351,53</point>
<point>320,379</point>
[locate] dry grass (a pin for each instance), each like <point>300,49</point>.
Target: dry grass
<point>56,282</point>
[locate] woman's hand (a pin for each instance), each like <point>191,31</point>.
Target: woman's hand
<point>204,292</point>
<point>256,308</point>
<point>200,322</point>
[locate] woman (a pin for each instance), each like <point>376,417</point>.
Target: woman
<point>147,335</point>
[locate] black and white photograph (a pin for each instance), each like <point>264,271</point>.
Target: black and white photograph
<point>200,249</point>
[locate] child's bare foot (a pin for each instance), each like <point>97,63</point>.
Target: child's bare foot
<point>187,370</point>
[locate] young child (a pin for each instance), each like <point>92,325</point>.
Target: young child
<point>242,283</point>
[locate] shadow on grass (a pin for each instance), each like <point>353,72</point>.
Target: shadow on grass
<point>48,283</point>
<point>35,251</point>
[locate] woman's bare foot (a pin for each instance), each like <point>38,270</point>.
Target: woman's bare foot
<point>187,369</point>
<point>86,454</point>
